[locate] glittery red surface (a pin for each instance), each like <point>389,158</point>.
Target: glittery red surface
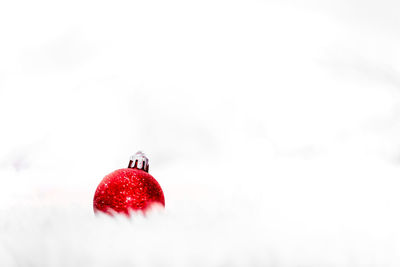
<point>126,189</point>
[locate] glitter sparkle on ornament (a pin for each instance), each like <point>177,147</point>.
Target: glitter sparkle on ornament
<point>128,189</point>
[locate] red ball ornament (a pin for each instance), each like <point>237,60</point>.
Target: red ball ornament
<point>129,189</point>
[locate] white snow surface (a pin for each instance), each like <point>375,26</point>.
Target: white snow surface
<point>273,128</point>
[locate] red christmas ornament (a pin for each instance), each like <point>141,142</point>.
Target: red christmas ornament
<point>128,189</point>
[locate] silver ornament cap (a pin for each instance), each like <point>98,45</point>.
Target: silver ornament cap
<point>139,161</point>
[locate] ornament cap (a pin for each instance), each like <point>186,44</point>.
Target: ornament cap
<point>139,161</point>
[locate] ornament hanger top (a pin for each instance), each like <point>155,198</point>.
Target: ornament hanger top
<point>139,161</point>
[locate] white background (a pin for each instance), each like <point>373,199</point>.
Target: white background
<point>273,128</point>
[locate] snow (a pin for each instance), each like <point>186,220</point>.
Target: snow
<point>272,126</point>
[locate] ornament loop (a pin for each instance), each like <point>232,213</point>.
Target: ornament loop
<point>139,161</point>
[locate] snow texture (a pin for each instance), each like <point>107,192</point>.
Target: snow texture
<point>273,128</point>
